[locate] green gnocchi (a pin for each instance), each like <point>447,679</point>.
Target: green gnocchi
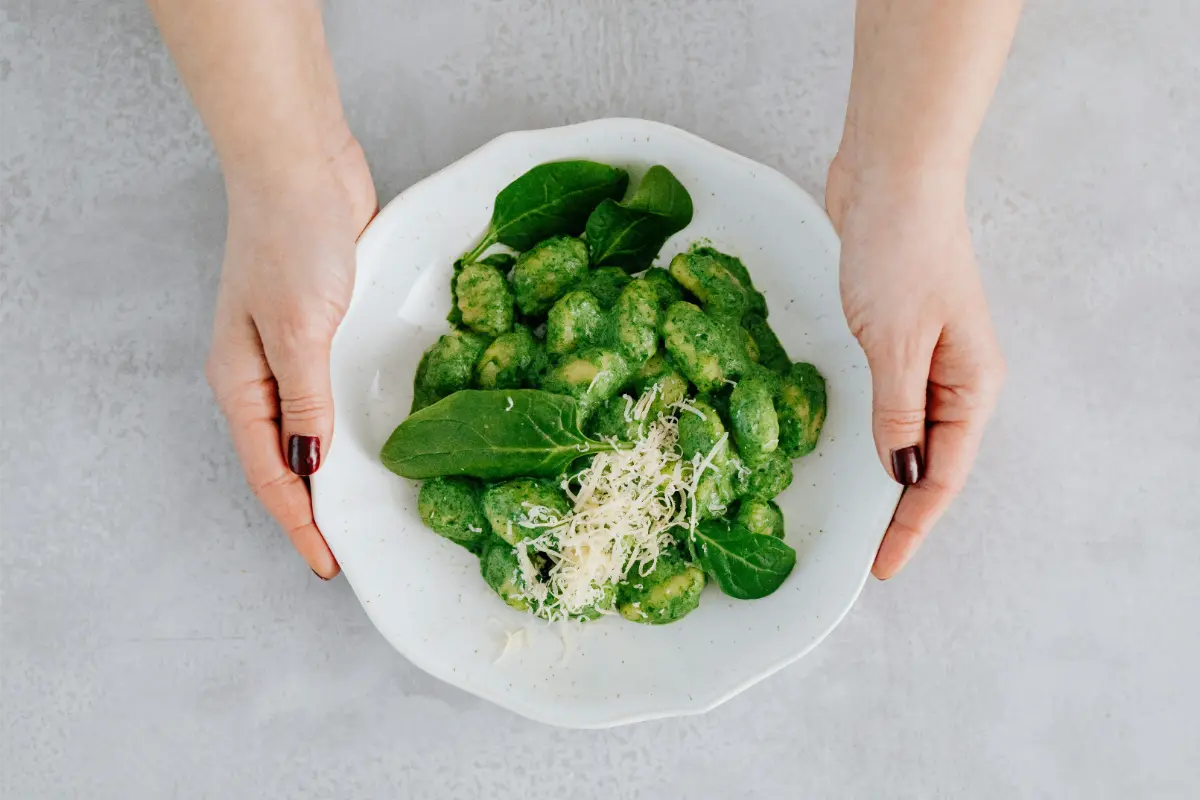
<point>599,362</point>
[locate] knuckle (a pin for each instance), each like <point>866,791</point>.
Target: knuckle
<point>301,328</point>
<point>240,402</point>
<point>896,420</point>
<point>298,333</point>
<point>905,529</point>
<point>304,406</point>
<point>264,486</point>
<point>947,487</point>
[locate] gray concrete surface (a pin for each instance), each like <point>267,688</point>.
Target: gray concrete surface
<point>159,639</point>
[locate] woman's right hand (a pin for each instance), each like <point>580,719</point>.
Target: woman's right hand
<point>285,285</point>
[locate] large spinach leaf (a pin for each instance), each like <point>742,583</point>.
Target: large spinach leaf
<point>744,565</point>
<point>630,234</point>
<point>490,435</point>
<point>550,200</point>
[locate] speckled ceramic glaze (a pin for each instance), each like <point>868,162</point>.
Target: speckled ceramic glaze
<point>425,594</point>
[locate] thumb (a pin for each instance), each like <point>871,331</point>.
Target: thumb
<point>299,359</point>
<point>899,383</point>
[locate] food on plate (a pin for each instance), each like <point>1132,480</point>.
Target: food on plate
<point>607,435</point>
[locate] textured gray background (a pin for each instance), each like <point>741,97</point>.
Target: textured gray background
<point>160,639</point>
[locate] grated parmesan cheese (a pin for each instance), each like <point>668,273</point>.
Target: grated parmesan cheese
<point>626,508</point>
<point>513,640</point>
<point>684,405</point>
<point>601,374</point>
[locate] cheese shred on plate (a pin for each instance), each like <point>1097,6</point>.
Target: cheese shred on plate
<point>627,505</point>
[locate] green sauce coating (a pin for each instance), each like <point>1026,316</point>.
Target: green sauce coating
<point>753,417</point>
<point>637,320</point>
<point>513,361</point>
<point>485,303</point>
<point>590,376</point>
<point>801,405</point>
<point>447,367</point>
<point>606,284</point>
<point>576,321</point>
<point>765,478</point>
<point>708,351</point>
<point>760,516</point>
<point>453,508</point>
<point>667,594</point>
<point>500,569</point>
<point>548,271</point>
<point>504,505</point>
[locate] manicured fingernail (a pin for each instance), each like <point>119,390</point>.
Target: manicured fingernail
<point>907,465</point>
<point>304,454</point>
<point>319,575</point>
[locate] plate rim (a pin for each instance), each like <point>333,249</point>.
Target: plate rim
<point>546,713</point>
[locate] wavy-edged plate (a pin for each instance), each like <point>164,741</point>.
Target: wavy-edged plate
<point>425,594</point>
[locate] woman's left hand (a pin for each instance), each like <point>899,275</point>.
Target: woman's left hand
<point>913,298</point>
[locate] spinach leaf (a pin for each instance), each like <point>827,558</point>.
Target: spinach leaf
<point>550,200</point>
<point>744,565</point>
<point>455,316</point>
<point>630,234</point>
<point>491,435</point>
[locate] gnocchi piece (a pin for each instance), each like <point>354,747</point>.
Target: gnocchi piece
<point>756,302</point>
<point>512,361</point>
<point>669,593</point>
<point>590,376</point>
<point>761,516</point>
<point>801,405</point>
<point>453,508</point>
<point>770,352</point>
<point>666,288</point>
<point>446,367</point>
<point>659,375</point>
<point>576,321</point>
<point>708,351</point>
<point>506,505</point>
<point>606,284</point>
<point>547,272</point>
<point>753,418</point>
<point>637,318</point>
<point>717,289</point>
<point>485,302</point>
<point>700,428</point>
<point>610,421</point>
<point>502,571</point>
<point>766,478</point>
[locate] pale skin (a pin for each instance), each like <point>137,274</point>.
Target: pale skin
<point>300,192</point>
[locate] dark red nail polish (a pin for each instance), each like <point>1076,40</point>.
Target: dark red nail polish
<point>908,465</point>
<point>304,454</point>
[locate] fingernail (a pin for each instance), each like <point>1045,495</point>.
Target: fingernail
<point>304,454</point>
<point>907,465</point>
<point>319,575</point>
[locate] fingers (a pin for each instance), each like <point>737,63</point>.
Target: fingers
<point>297,348</point>
<point>244,388</point>
<point>950,450</point>
<point>900,378</point>
<point>965,381</point>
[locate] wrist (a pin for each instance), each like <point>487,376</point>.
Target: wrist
<point>270,164</point>
<point>855,184</point>
<point>335,177</point>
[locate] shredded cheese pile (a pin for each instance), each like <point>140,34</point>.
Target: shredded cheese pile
<point>627,504</point>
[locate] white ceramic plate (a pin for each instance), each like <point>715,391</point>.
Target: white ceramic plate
<point>425,594</point>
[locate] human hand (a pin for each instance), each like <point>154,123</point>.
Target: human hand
<point>913,298</point>
<point>285,286</point>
